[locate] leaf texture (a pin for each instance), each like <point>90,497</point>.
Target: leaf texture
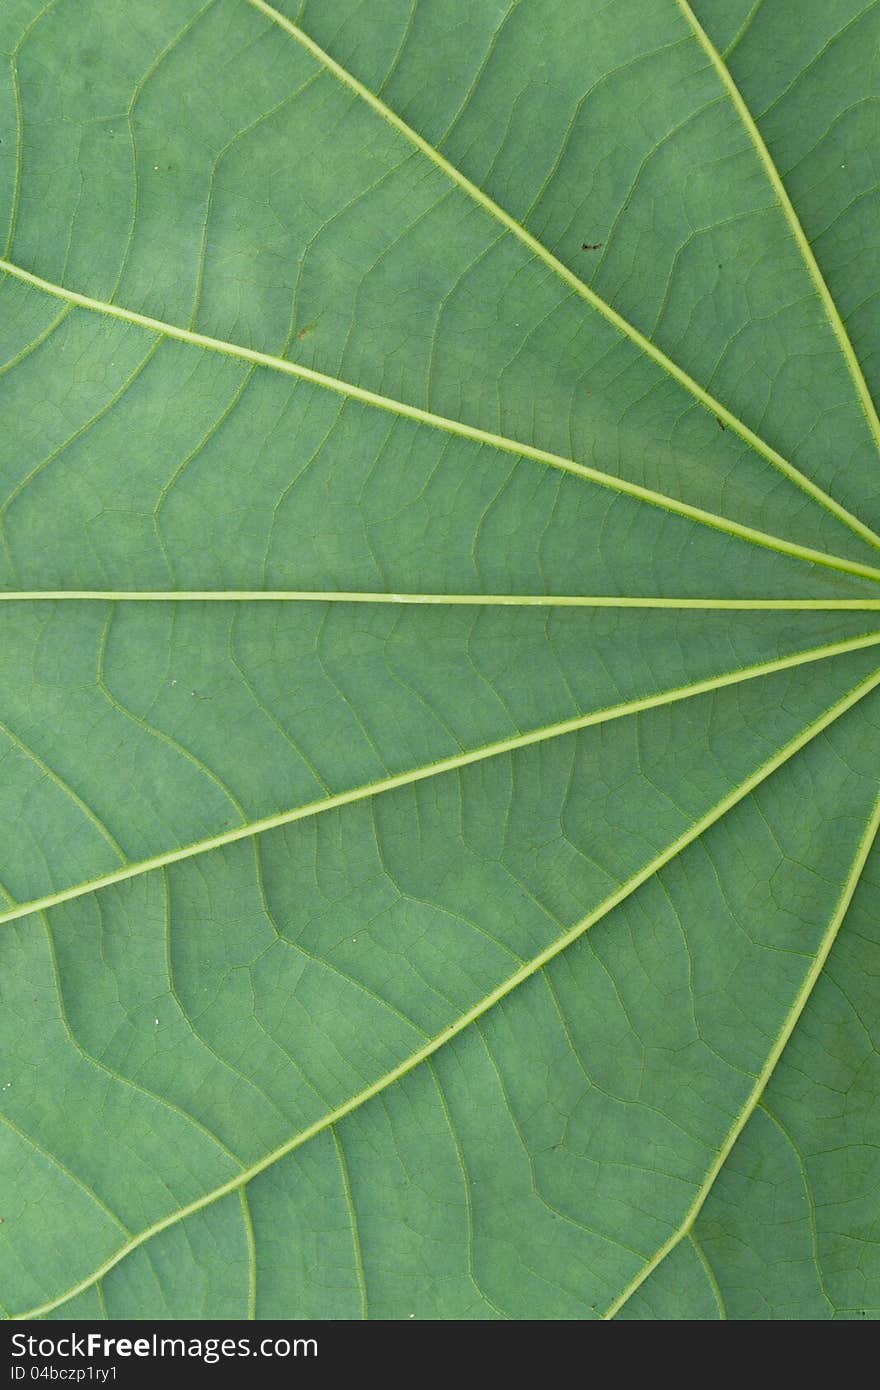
<point>439,716</point>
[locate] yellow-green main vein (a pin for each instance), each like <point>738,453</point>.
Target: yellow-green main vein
<point>734,605</point>
<point>791,1019</point>
<point>442,422</point>
<point>435,769</point>
<point>829,306</point>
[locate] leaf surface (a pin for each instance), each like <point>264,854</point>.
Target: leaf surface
<point>439,717</point>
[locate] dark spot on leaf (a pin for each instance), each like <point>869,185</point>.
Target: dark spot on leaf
<point>720,423</point>
<point>590,245</point>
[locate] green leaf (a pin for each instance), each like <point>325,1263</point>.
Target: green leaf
<point>439,716</point>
